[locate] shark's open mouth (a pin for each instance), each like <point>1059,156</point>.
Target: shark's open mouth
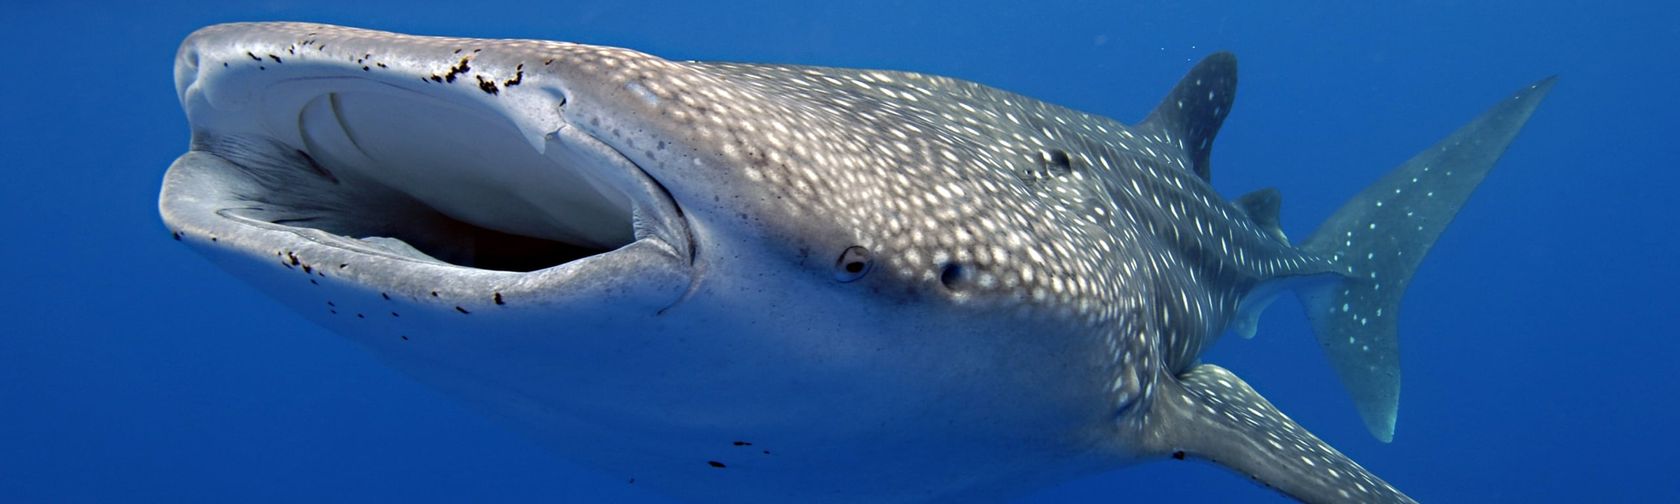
<point>399,172</point>
<point>425,178</point>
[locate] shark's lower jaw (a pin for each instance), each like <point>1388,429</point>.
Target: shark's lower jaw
<point>394,174</point>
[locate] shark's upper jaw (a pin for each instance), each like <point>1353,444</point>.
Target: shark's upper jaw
<point>390,174</point>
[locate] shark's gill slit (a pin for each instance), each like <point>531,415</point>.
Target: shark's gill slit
<point>435,180</point>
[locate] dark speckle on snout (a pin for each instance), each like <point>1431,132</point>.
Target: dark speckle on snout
<point>715,464</point>
<point>458,69</point>
<point>518,76</point>
<point>462,310</point>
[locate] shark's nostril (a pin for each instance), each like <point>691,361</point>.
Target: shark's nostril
<point>186,70</point>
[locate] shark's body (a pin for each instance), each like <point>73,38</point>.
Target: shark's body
<point>757,282</point>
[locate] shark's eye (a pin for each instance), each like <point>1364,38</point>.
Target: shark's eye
<point>853,264</point>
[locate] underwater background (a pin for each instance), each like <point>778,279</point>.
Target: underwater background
<point>1539,337</point>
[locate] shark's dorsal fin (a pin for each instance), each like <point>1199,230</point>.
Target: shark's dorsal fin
<point>1262,207</point>
<point>1210,413</point>
<point>1192,112</point>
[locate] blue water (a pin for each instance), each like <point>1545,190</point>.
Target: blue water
<point>1538,337</point>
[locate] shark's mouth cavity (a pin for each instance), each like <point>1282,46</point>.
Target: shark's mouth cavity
<point>420,177</point>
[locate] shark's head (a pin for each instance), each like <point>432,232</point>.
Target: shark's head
<point>627,254</point>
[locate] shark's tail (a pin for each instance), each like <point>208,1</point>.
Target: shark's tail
<point>1379,237</point>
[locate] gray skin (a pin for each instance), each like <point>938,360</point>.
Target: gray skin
<point>764,282</point>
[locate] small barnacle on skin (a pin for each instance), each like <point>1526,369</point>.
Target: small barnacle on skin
<point>458,69</point>
<point>489,86</point>
<point>518,76</point>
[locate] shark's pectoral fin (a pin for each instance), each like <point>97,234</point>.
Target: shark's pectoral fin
<point>1211,414</point>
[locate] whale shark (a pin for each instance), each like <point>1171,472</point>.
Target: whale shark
<point>750,282</point>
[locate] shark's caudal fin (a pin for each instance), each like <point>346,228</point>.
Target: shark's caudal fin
<point>1379,237</point>
<point>1211,414</point>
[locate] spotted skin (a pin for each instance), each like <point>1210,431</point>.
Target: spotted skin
<point>1075,264</point>
<point>971,180</point>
